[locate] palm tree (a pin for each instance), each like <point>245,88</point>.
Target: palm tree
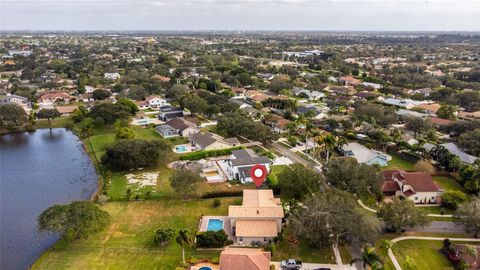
<point>184,239</point>
<point>330,142</point>
<point>370,259</point>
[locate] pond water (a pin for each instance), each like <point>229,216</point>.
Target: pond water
<point>38,170</point>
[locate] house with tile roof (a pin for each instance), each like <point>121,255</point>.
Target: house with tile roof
<point>416,186</point>
<point>244,258</point>
<point>258,220</point>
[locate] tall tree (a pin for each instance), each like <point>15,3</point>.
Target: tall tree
<point>327,218</point>
<point>12,115</point>
<point>76,220</point>
<point>136,153</point>
<point>400,215</point>
<point>468,214</point>
<point>184,239</point>
<point>297,182</point>
<point>418,125</point>
<point>48,114</point>
<point>447,112</point>
<point>347,174</point>
<point>184,181</point>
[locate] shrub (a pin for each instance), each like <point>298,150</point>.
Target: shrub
<point>212,153</point>
<point>216,202</point>
<point>424,166</point>
<point>124,133</point>
<point>270,247</point>
<point>163,236</point>
<point>215,260</point>
<point>292,140</point>
<point>452,199</point>
<point>212,239</point>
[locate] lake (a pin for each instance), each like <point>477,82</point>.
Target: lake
<point>37,170</point>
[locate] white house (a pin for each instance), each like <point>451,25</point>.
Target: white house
<point>156,102</point>
<point>112,76</point>
<point>241,162</point>
<point>364,155</point>
<point>416,186</point>
<point>311,94</point>
<point>89,89</point>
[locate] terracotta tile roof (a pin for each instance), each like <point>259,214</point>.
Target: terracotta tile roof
<point>430,107</point>
<point>244,258</point>
<point>66,109</point>
<point>390,186</point>
<point>420,181</point>
<point>440,121</point>
<point>257,204</point>
<point>256,228</point>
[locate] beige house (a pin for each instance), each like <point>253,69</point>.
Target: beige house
<point>211,141</point>
<point>244,258</point>
<point>258,220</point>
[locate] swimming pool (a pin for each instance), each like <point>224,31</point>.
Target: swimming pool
<point>205,268</point>
<point>181,148</point>
<point>215,225</point>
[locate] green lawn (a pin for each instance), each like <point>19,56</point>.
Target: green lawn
<point>424,254</point>
<point>289,248</point>
<point>345,254</point>
<point>398,162</point>
<point>56,123</point>
<point>127,243</point>
<point>448,183</point>
<point>275,170</point>
<point>436,210</point>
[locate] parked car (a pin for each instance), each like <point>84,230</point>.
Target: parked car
<point>291,264</point>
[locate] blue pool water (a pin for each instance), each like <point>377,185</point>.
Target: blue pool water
<point>181,148</point>
<point>215,225</point>
<point>205,268</point>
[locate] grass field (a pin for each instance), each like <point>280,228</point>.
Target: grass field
<point>448,183</point>
<point>275,170</point>
<point>56,123</point>
<point>128,242</point>
<point>398,162</point>
<point>288,249</point>
<point>423,254</point>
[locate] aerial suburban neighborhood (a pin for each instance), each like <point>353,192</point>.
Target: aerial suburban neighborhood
<point>239,150</point>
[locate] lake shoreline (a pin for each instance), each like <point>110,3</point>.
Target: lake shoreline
<point>77,180</point>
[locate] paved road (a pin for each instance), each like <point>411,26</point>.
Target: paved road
<point>442,227</point>
<point>394,260</point>
<point>290,154</point>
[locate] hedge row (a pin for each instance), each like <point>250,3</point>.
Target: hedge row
<point>219,194</point>
<point>212,153</point>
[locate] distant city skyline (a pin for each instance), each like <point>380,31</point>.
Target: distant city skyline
<point>326,15</point>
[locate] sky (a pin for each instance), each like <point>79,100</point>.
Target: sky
<point>328,15</point>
